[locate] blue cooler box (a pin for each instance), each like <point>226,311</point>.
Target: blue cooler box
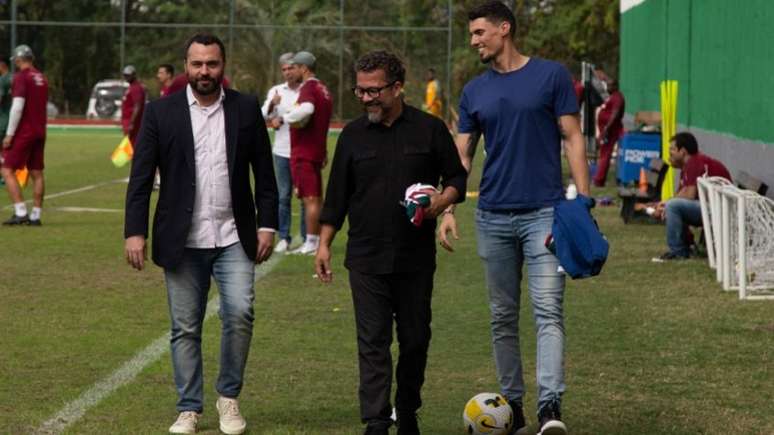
<point>634,152</point>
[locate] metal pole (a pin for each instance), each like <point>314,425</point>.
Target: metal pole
<point>232,7</point>
<point>449,61</point>
<point>13,29</point>
<point>341,62</point>
<point>123,34</point>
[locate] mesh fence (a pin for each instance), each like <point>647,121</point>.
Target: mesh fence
<point>78,42</point>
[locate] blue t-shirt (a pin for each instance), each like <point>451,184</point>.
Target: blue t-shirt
<point>517,113</point>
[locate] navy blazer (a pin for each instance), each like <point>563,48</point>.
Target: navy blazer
<point>166,141</point>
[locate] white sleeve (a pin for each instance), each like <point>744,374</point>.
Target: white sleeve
<point>299,113</point>
<point>266,102</point>
<point>17,107</point>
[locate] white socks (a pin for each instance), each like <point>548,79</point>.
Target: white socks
<point>313,240</point>
<point>35,215</point>
<point>20,209</point>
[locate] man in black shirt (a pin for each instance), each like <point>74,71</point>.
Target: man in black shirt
<point>390,260</point>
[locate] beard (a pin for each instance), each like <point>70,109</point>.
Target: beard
<point>486,58</point>
<point>205,85</point>
<point>375,117</point>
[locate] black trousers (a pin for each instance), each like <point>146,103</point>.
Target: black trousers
<point>377,300</point>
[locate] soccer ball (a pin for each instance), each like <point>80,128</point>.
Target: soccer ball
<point>487,414</point>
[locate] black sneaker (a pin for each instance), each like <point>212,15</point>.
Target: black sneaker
<point>519,426</point>
<point>550,418</point>
<point>17,220</point>
<point>34,223</point>
<point>668,256</point>
<point>377,428</point>
<point>407,423</point>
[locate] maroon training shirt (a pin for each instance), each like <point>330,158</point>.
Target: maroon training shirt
<point>310,141</point>
<point>700,164</point>
<point>135,94</point>
<point>31,85</point>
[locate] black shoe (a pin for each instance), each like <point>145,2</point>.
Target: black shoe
<point>550,418</point>
<point>377,428</point>
<point>519,422</point>
<point>668,256</point>
<point>17,220</point>
<point>34,223</point>
<point>407,423</point>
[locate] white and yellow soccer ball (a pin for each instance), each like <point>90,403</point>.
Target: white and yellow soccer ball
<point>488,414</point>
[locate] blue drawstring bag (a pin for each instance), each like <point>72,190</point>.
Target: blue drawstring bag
<point>576,240</point>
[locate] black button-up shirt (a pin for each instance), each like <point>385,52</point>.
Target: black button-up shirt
<point>372,167</point>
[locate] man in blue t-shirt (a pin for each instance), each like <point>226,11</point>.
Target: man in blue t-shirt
<point>523,106</point>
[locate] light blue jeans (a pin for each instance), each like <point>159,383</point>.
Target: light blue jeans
<point>285,190</point>
<point>187,288</point>
<point>681,213</point>
<point>507,240</point>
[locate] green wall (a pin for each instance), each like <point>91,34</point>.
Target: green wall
<point>720,51</point>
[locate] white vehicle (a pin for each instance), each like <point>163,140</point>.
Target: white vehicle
<point>105,100</point>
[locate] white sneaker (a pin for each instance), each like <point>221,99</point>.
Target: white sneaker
<point>231,421</point>
<point>187,422</point>
<point>305,249</point>
<point>281,247</point>
<point>553,427</point>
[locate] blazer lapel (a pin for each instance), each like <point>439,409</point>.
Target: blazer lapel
<point>232,129</point>
<point>186,131</point>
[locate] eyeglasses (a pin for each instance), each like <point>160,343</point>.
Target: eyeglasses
<point>371,92</point>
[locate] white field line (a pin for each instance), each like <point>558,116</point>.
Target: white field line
<point>88,209</point>
<point>78,190</point>
<point>74,410</point>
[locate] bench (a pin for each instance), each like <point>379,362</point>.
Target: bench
<point>748,182</point>
<point>633,199</point>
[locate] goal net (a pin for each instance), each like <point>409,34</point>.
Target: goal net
<point>746,257</point>
<point>709,198</point>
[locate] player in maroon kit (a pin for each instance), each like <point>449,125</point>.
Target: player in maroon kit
<point>164,75</point>
<point>132,105</point>
<point>309,121</point>
<point>26,136</point>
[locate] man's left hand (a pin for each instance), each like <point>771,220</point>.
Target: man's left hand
<point>437,205</point>
<point>7,142</point>
<point>265,246</point>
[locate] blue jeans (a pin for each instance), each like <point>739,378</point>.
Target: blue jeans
<point>681,213</point>
<point>187,288</point>
<point>285,188</point>
<point>506,241</point>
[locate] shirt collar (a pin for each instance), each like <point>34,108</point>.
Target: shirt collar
<point>406,115</point>
<point>192,100</point>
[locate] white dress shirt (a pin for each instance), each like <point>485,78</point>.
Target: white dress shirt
<point>212,224</point>
<point>287,101</point>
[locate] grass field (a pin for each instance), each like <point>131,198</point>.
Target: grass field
<point>651,348</point>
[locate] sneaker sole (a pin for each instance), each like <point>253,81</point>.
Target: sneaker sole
<point>233,431</point>
<point>554,427</point>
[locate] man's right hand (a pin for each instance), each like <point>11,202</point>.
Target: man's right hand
<point>136,251</point>
<point>7,142</point>
<point>448,223</point>
<point>275,123</point>
<point>322,264</point>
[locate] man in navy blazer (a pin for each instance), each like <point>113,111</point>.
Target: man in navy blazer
<point>205,140</point>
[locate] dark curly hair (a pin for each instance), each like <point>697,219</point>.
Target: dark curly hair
<point>495,12</point>
<point>205,39</point>
<point>687,141</point>
<point>389,63</point>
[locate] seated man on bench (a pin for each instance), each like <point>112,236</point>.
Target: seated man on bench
<point>683,210</point>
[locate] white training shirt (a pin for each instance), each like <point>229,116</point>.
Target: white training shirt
<point>288,100</point>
